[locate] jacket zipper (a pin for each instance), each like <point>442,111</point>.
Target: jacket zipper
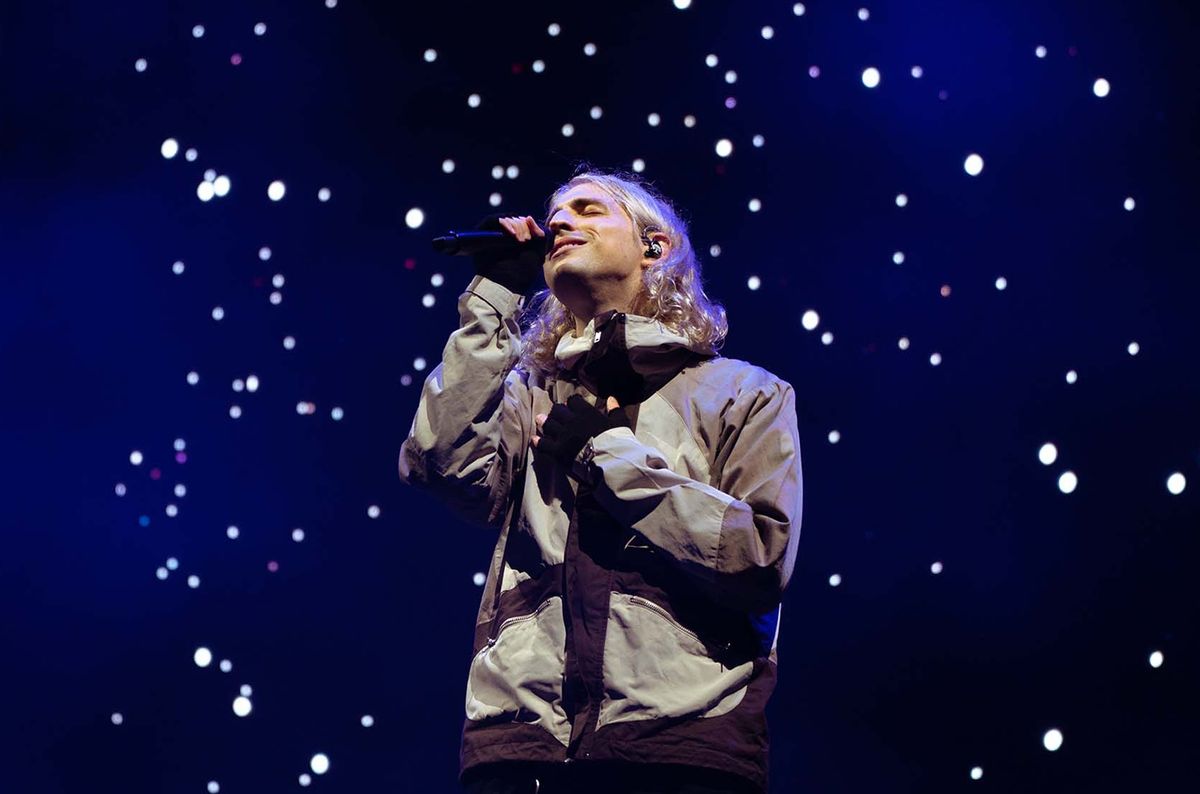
<point>653,607</point>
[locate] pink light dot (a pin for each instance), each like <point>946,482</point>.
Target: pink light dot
<point>272,566</point>
<point>410,263</point>
<point>235,59</point>
<point>155,473</point>
<point>181,457</point>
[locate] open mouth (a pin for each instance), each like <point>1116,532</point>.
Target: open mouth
<point>565,247</point>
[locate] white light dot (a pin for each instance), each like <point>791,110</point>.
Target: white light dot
<point>323,194</point>
<point>497,172</point>
<point>495,199</point>
<point>1068,482</point>
<point>936,568</point>
<point>479,578</point>
<point>172,563</point>
<point>814,72</point>
<point>406,379</point>
<point>754,282</point>
<point>193,581</point>
<point>810,320</point>
<point>596,112</point>
<point>731,77</point>
<point>589,49</point>
<point>1040,51</point>
<point>120,489</point>
<point>1156,659</point>
<point>903,343</point>
<point>754,204</point>
<point>226,665</point>
<point>276,190</point>
<point>447,166</point>
<point>135,458</point>
<point>474,100</point>
<point>864,14</point>
<point>210,174</point>
<point>205,191</point>
<point>1072,376</point>
<point>169,148</point>
<point>418,364</point>
<point>512,172</point>
<point>1001,283</point>
<point>724,147</point>
<point>161,573</point>
<point>437,279</point>
<point>653,119</point>
<point>976,772</point>
<point>180,490</point>
<point>711,60</point>
<point>768,32</point>
<point>305,779</point>
<point>834,436</point>
<point>539,66</point>
<point>245,691</point>
<point>714,250</point>
<point>221,186</point>
<point>430,55</point>
<point>835,580</point>
<point>1053,739</point>
<point>683,5</point>
<point>275,298</point>
<point>827,338</point>
<point>870,77</point>
<point>298,535</point>
<point>639,165</point>
<point>935,359</point>
<point>554,29</point>
<point>1130,204</point>
<point>427,300</point>
<point>568,130</point>
<point>373,511</point>
<point>917,72</point>
<point>1100,88</point>
<point>197,31</point>
<point>319,763</point>
<point>1134,348</point>
<point>898,257</point>
<point>117,718</point>
<point>901,200</point>
<point>289,342</point>
<point>973,165</point>
<point>190,155</point>
<point>171,511</point>
<point>213,787</point>
<point>202,657</point>
<point>1176,483</point>
<point>798,9</point>
<point>140,64</point>
<point>177,268</point>
<point>241,706</point>
<point>1047,454</point>
<point>414,218</point>
<point>232,532</point>
<point>337,414</point>
<point>367,720</point>
<point>260,28</point>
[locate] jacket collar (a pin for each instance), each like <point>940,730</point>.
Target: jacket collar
<point>626,355</point>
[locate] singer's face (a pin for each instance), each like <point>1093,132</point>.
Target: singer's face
<point>601,265</point>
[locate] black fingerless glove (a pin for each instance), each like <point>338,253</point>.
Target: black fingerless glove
<point>568,427</point>
<point>516,271</point>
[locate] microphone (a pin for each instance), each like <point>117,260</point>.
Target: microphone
<point>487,242</point>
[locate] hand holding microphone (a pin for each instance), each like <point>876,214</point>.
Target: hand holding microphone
<point>509,250</point>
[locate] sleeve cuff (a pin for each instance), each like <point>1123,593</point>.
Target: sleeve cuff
<point>500,298</point>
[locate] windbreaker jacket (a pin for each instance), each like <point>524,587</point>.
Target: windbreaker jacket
<point>632,603</point>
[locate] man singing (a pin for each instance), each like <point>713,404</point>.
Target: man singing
<point>647,494</point>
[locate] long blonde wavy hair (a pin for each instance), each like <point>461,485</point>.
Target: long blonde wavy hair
<point>672,291</point>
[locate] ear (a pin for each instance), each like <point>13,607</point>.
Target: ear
<point>664,242</point>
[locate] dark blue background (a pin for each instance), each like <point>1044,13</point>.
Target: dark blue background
<point>897,680</point>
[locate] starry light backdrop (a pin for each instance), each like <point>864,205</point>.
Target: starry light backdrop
<point>964,231</point>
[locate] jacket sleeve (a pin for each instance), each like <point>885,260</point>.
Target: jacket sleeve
<point>468,438</point>
<point>738,540</point>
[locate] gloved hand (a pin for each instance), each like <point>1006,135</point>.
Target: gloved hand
<point>518,271</point>
<point>568,427</point>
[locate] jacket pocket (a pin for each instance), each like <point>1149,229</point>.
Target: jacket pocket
<point>654,667</point>
<point>518,676</point>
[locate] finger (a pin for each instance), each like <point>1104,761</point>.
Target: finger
<point>541,418</point>
<point>534,441</point>
<point>533,226</point>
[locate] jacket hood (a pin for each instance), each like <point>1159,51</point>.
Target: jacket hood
<point>626,355</point>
